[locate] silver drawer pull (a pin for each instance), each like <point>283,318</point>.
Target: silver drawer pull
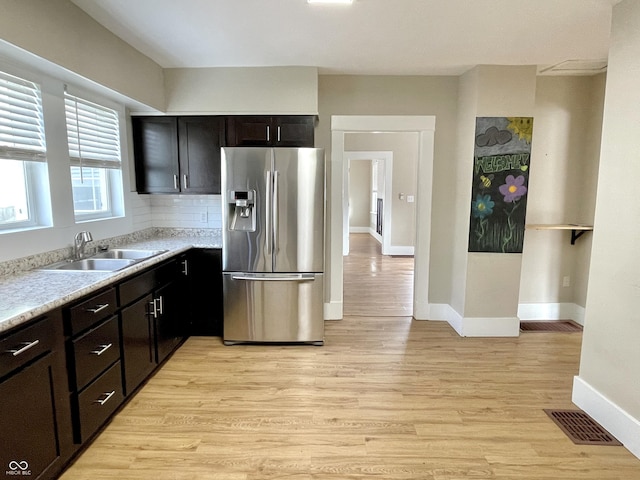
<point>105,399</point>
<point>26,346</point>
<point>98,308</point>
<point>102,349</point>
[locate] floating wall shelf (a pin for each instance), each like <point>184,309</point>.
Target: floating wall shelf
<point>576,230</point>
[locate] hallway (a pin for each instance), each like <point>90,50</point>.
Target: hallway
<point>367,271</point>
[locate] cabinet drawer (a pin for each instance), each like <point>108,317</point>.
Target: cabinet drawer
<point>141,285</point>
<point>24,345</point>
<point>94,351</point>
<point>137,287</point>
<point>92,310</point>
<point>98,401</point>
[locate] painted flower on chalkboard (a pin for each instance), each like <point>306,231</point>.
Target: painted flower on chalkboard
<point>513,189</point>
<point>482,207</point>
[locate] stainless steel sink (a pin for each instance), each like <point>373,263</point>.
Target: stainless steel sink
<point>107,261</point>
<point>128,253</point>
<point>91,264</point>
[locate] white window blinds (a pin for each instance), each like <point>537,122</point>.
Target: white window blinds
<point>93,134</point>
<point>21,120</point>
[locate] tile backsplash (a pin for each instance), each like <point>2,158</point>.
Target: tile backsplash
<point>186,211</point>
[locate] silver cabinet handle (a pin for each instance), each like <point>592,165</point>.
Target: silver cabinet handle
<point>98,308</point>
<point>105,399</point>
<point>268,133</point>
<point>185,182</point>
<point>278,132</point>
<point>185,267</point>
<point>153,311</point>
<point>25,346</point>
<point>175,182</point>
<point>161,305</point>
<point>102,349</point>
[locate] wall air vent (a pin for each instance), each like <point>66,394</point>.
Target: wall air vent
<point>575,67</point>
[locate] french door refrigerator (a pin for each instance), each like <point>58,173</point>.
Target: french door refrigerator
<point>273,209</point>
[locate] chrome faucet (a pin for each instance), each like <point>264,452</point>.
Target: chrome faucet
<point>79,242</point>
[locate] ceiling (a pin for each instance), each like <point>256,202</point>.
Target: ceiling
<point>369,37</point>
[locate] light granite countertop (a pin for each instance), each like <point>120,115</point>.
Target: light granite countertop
<point>26,295</point>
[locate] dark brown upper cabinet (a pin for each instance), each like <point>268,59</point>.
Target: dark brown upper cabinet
<point>178,154</point>
<point>270,131</point>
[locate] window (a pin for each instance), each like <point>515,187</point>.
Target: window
<point>22,151</point>
<point>93,133</point>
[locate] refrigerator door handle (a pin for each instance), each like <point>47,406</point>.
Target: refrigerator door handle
<point>275,211</point>
<point>268,211</point>
<point>294,277</point>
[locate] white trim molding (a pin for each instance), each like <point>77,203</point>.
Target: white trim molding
<point>616,420</point>
<point>340,125</point>
<point>333,310</point>
<point>551,311</point>
<point>472,326</point>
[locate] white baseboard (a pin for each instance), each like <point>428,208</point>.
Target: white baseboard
<point>399,250</point>
<point>359,229</point>
<point>490,327</point>
<point>474,327</point>
<point>434,311</point>
<point>332,311</point>
<point>617,421</point>
<point>551,311</point>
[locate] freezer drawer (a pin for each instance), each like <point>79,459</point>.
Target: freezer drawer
<point>272,307</point>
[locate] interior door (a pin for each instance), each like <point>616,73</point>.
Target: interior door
<point>298,216</point>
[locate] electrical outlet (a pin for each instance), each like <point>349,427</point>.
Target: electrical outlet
<point>566,281</point>
<point>203,217</point>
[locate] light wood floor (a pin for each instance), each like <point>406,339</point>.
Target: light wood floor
<point>376,284</point>
<point>385,398</point>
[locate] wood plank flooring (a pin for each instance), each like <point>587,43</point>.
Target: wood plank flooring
<point>385,398</point>
<point>375,284</point>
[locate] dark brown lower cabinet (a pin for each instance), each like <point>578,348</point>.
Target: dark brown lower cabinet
<point>28,437</point>
<point>138,358</point>
<point>205,284</point>
<point>166,320</point>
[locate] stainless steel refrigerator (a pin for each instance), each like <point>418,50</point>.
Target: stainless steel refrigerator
<point>273,209</point>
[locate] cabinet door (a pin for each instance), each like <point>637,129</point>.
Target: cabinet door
<point>293,131</point>
<point>249,131</point>
<point>137,343</point>
<point>205,281</point>
<point>155,145</point>
<point>28,433</point>
<point>167,319</point>
<point>200,142</point>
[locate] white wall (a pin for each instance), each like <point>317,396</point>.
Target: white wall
<point>490,303</point>
<point>265,90</point>
<point>405,167</point>
<point>608,386</point>
<point>61,33</point>
<point>359,194</point>
<point>562,187</point>
<point>389,95</point>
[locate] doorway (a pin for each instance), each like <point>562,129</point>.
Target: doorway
<point>380,167</point>
<point>424,126</point>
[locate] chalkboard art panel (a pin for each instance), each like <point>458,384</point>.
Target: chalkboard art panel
<point>500,184</point>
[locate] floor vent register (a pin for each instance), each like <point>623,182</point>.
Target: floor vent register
<point>581,428</point>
